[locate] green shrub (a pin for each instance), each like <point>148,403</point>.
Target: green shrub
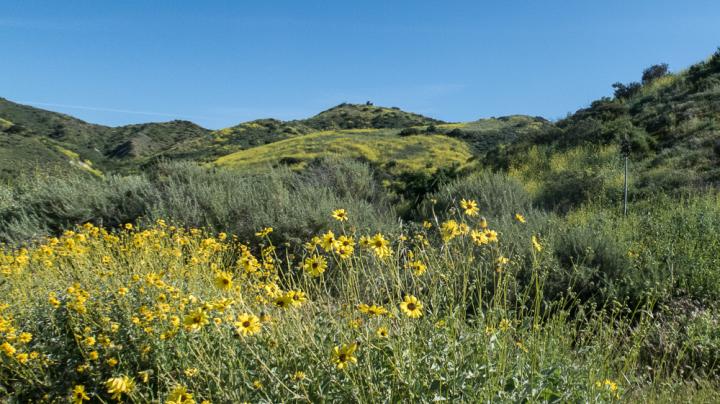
<point>593,265</point>
<point>496,194</point>
<point>47,203</point>
<point>296,205</point>
<point>228,200</point>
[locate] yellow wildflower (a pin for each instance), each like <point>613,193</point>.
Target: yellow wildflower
<point>180,395</point>
<point>470,207</point>
<point>224,280</point>
<point>117,386</point>
<point>78,394</point>
<point>344,355</point>
<point>536,244</point>
<point>247,324</point>
<point>411,306</point>
<point>340,215</point>
<point>196,319</point>
<point>315,265</point>
<point>264,232</point>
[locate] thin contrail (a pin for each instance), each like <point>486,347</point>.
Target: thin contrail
<point>103,109</point>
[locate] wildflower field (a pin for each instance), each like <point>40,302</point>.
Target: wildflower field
<point>440,311</point>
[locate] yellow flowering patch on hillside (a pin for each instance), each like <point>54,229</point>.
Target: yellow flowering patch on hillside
<point>409,153</point>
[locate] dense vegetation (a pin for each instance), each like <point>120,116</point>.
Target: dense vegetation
<point>484,261</point>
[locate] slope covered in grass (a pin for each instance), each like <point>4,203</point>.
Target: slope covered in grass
<point>382,147</point>
<point>356,116</point>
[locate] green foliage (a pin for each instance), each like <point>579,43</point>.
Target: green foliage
<point>487,136</point>
<point>296,205</point>
<point>222,199</point>
<point>654,72</point>
<point>625,91</point>
<point>593,265</point>
<point>686,336</point>
<point>42,204</point>
<point>362,116</point>
<point>496,194</point>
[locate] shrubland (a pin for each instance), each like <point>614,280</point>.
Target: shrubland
<point>217,284</point>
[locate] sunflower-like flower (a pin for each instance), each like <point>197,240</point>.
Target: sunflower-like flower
<point>470,207</point>
<point>372,310</point>
<point>380,245</point>
<point>478,237</point>
<point>344,246</point>
<point>449,230</point>
<point>297,297</point>
<point>417,267</point>
<point>196,319</point>
<point>247,324</point>
<point>283,301</point>
<point>344,355</point>
<point>224,280</point>
<point>536,244</point>
<point>491,235</point>
<point>520,218</point>
<point>78,394</point>
<point>315,265</point>
<point>327,241</point>
<point>264,232</point>
<point>411,306</point>
<point>340,215</point>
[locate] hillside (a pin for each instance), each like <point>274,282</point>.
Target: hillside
<point>21,151</point>
<point>385,148</point>
<point>130,147</point>
<point>69,132</point>
<point>359,116</point>
<point>487,135</point>
<point>669,124</point>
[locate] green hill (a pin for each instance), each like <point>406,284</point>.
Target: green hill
<point>669,124</point>
<point>359,116</point>
<point>382,147</point>
<point>70,132</point>
<point>129,148</point>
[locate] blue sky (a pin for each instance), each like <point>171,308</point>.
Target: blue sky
<point>219,63</point>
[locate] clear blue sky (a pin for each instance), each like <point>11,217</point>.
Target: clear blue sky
<point>222,62</point>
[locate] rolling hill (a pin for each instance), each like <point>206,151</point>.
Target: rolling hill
<point>381,147</point>
<point>33,137</point>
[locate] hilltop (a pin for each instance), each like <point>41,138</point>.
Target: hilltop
<point>364,116</point>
